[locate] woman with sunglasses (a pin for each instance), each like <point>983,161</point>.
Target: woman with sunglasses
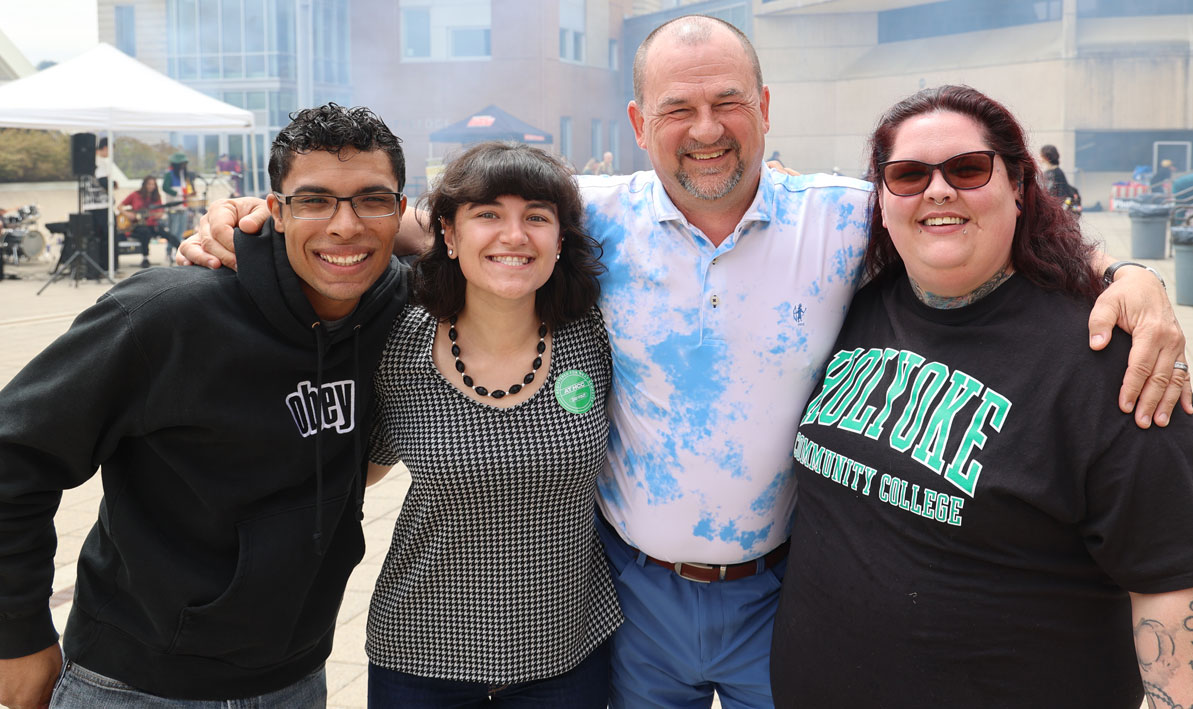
<point>977,526</point>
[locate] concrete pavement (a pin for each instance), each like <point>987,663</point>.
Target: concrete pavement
<point>29,322</point>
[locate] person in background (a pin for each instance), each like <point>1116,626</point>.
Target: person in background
<point>232,169</point>
<point>95,201</point>
<point>1055,183</point>
<point>978,526</point>
<point>605,167</point>
<point>1161,177</point>
<point>143,208</point>
<point>179,184</point>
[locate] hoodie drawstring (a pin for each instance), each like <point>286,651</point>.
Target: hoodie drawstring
<point>359,475</point>
<point>318,536</point>
<point>358,480</point>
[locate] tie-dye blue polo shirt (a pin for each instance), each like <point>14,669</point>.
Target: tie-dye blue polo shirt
<point>715,351</point>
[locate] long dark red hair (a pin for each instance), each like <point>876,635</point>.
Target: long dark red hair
<point>1047,248</point>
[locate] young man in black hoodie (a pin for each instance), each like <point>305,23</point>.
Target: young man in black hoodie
<point>231,517</point>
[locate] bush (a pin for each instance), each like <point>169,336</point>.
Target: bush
<point>138,159</point>
<point>34,155</point>
<point>44,156</point>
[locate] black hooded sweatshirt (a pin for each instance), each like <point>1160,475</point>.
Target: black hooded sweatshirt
<point>229,424</point>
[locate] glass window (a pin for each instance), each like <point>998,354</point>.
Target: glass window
<point>285,32</point>
<point>598,153</point>
<point>1132,8</point>
<point>614,141</point>
<point>614,59</point>
<point>565,137</point>
<point>236,149</point>
<point>188,68</point>
<point>737,15</point>
<point>209,67</point>
<point>571,30</point>
<point>959,16</point>
<point>259,142</point>
<point>231,21</point>
<point>470,42</point>
<point>1123,151</point>
<point>126,29</point>
<point>211,151</point>
<point>254,26</point>
<point>287,101</point>
<point>254,66</point>
<point>185,20</point>
<point>233,66</point>
<point>440,30</point>
<point>286,67</point>
<point>209,27</point>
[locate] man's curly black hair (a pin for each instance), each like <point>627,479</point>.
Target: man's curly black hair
<point>333,128</point>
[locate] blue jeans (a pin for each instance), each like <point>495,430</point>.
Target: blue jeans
<point>177,221</point>
<point>585,686</point>
<point>682,640</point>
<point>80,688</point>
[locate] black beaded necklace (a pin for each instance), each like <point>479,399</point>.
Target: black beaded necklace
<point>498,393</point>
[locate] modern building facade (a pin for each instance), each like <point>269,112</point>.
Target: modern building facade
<point>555,64</point>
<point>268,56</point>
<point>1107,81</point>
<point>1103,80</point>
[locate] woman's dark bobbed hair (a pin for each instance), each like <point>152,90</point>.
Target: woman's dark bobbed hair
<point>480,175</point>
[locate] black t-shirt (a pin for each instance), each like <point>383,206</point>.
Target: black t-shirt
<point>972,505</point>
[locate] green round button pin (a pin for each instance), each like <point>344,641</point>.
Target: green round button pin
<point>574,391</point>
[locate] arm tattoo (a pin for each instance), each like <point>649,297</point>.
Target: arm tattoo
<point>945,302</point>
<point>1155,648</point>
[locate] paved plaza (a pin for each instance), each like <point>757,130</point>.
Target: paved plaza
<point>29,322</point>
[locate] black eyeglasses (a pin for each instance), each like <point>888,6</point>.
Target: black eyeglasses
<point>370,205</point>
<point>967,171</point>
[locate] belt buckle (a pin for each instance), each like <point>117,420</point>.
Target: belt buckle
<point>678,566</point>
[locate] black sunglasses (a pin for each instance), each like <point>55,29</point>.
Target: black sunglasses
<point>967,171</point>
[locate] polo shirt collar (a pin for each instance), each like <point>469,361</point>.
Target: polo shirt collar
<point>760,210</point>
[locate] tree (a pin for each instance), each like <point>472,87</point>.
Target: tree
<point>34,155</point>
<point>138,159</point>
<point>44,156</point>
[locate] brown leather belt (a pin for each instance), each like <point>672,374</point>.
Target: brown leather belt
<point>705,573</point>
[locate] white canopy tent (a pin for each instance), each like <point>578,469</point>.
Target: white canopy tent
<point>106,90</point>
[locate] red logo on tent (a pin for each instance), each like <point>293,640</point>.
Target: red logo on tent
<point>481,121</point>
<point>532,136</point>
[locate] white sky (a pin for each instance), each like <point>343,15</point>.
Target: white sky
<point>50,29</point>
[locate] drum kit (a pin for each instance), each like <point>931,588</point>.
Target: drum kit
<point>21,239</point>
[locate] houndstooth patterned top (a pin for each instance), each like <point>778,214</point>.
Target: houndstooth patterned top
<point>495,573</point>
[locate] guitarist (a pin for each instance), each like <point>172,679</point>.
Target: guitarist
<point>143,209</point>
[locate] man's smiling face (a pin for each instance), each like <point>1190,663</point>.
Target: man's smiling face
<point>703,120</point>
<point>338,259</point>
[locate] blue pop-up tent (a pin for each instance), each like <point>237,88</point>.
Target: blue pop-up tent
<point>491,123</point>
